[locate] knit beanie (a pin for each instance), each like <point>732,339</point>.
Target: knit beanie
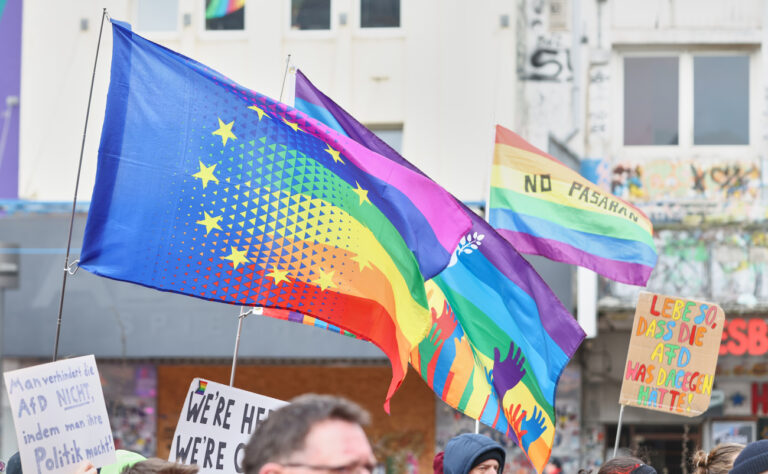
<point>437,463</point>
<point>14,464</point>
<point>491,454</point>
<point>643,469</point>
<point>753,459</point>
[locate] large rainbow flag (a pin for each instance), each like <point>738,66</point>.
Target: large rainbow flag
<point>499,338</point>
<point>209,189</point>
<point>545,208</point>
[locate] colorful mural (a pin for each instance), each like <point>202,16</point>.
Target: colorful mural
<point>726,264</point>
<point>692,191</point>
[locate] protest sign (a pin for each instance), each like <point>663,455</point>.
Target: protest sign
<point>60,416</point>
<point>672,354</point>
<point>215,425</point>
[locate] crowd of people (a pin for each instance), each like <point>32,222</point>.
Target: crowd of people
<point>325,434</point>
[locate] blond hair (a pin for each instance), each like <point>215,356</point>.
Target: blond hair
<point>159,466</point>
<point>719,460</point>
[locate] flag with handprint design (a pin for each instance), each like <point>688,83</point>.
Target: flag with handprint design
<point>208,189</point>
<point>500,338</point>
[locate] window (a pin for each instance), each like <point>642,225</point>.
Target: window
<point>311,14</point>
<point>157,15</point>
<point>379,13</point>
<point>721,100</point>
<point>224,15</point>
<point>392,135</point>
<point>651,99</point>
<point>690,99</point>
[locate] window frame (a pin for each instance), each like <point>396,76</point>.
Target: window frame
<point>685,124</point>
<point>311,34</point>
<point>377,32</point>
<point>375,127</point>
<point>158,35</point>
<point>206,34</point>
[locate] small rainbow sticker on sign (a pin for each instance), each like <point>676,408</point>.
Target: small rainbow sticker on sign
<point>201,387</point>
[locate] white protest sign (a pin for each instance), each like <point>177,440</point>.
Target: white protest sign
<point>215,425</point>
<point>60,416</point>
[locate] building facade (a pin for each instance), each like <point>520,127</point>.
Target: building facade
<point>667,97</point>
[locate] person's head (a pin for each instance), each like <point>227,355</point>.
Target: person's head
<point>124,459</point>
<point>437,463</point>
<point>312,432</point>
<point>471,453</point>
<point>554,466</point>
<point>159,466</point>
<point>14,464</point>
<point>753,459</point>
<point>719,460</point>
<point>625,465</point>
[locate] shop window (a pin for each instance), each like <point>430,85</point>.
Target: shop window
<point>311,14</point>
<point>225,15</point>
<point>721,100</point>
<point>157,15</point>
<point>379,13</point>
<point>651,99</point>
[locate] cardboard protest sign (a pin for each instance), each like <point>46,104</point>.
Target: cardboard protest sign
<point>215,425</point>
<point>672,354</point>
<point>60,416</point>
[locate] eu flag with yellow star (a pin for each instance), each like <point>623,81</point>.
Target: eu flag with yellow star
<point>212,190</point>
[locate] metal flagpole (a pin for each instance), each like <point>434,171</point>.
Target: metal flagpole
<point>618,432</point>
<point>243,314</point>
<point>243,311</point>
<point>67,266</point>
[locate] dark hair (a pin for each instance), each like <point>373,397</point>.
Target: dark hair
<point>622,465</point>
<point>719,460</point>
<point>159,466</point>
<point>284,431</point>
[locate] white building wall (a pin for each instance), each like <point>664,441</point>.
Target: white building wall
<point>447,76</point>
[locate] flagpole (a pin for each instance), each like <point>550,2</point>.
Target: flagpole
<point>285,75</point>
<point>243,314</point>
<point>67,265</point>
<point>618,432</point>
<point>243,311</point>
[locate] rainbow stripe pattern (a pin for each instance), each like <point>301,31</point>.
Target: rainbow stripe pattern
<point>209,189</point>
<point>544,208</point>
<point>201,386</point>
<point>221,8</point>
<point>499,337</point>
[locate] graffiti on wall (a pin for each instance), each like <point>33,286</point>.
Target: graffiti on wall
<point>544,55</point>
<point>668,179</point>
<point>129,392</point>
<point>725,264</point>
<point>598,108</point>
<point>671,191</point>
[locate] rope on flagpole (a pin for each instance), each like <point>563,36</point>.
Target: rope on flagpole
<point>67,264</point>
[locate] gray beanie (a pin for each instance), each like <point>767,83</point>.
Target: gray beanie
<point>753,459</point>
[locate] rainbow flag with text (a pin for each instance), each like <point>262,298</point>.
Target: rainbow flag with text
<point>208,189</point>
<point>499,338</point>
<point>544,208</point>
